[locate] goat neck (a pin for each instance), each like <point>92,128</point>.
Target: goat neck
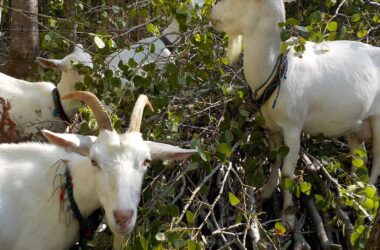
<point>83,188</point>
<point>262,45</point>
<point>172,32</point>
<point>66,86</point>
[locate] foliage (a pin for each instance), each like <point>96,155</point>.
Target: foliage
<point>208,201</point>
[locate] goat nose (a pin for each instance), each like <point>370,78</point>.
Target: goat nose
<point>123,217</point>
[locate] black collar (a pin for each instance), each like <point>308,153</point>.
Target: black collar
<point>168,44</point>
<point>58,108</point>
<point>278,72</point>
<point>87,226</point>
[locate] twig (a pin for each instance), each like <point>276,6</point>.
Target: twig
<point>254,227</point>
<point>181,192</point>
<point>319,227</point>
<point>211,208</point>
<point>194,193</point>
<point>348,227</point>
<point>299,241</point>
<point>336,183</point>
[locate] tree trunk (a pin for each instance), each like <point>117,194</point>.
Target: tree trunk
<point>374,239</point>
<point>24,39</point>
<point>69,11</point>
<point>1,13</point>
<point>68,8</point>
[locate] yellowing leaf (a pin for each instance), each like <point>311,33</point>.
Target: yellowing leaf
<point>225,149</point>
<point>332,26</point>
<point>368,204</point>
<point>370,191</point>
<point>305,187</point>
<point>233,199</point>
<point>358,163</point>
<point>280,228</point>
<point>152,28</point>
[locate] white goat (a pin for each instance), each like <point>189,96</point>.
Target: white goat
<point>106,171</point>
<point>160,56</point>
<point>33,105</point>
<point>333,91</point>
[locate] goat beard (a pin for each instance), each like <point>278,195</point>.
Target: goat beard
<point>234,48</point>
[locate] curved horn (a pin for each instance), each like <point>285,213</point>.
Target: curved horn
<point>137,113</point>
<point>101,115</point>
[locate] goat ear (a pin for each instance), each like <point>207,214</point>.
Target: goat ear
<point>78,48</point>
<point>167,152</point>
<point>49,63</point>
<point>75,143</point>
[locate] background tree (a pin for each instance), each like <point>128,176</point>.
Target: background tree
<point>24,39</point>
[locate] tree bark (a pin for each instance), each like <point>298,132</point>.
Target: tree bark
<point>374,239</point>
<point>24,39</point>
<point>68,8</point>
<point>1,13</point>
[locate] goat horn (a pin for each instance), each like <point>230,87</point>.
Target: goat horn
<point>137,113</point>
<point>101,115</point>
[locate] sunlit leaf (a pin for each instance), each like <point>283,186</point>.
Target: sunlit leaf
<point>233,199</point>
<point>280,228</point>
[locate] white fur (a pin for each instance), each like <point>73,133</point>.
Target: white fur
<point>31,214</point>
<point>32,103</point>
<point>333,89</point>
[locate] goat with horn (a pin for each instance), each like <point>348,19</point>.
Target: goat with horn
<point>48,190</point>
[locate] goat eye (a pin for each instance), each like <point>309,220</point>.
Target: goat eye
<point>94,163</point>
<point>147,162</point>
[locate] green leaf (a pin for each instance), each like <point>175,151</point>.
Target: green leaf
<point>362,33</point>
<point>243,112</point>
<point>368,204</point>
<point>157,2</point>
<point>260,120</point>
<point>193,245</point>
<point>355,18</point>
<point>359,153</point>
<point>283,151</point>
<point>99,42</point>
<point>305,187</point>
<point>152,28</point>
<point>192,166</point>
<point>233,199</point>
<point>280,228</point>
<point>332,26</point>
<point>358,162</point>
<point>370,191</point>
<point>354,238</point>
<point>288,183</point>
<point>189,217</point>
<point>225,149</point>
